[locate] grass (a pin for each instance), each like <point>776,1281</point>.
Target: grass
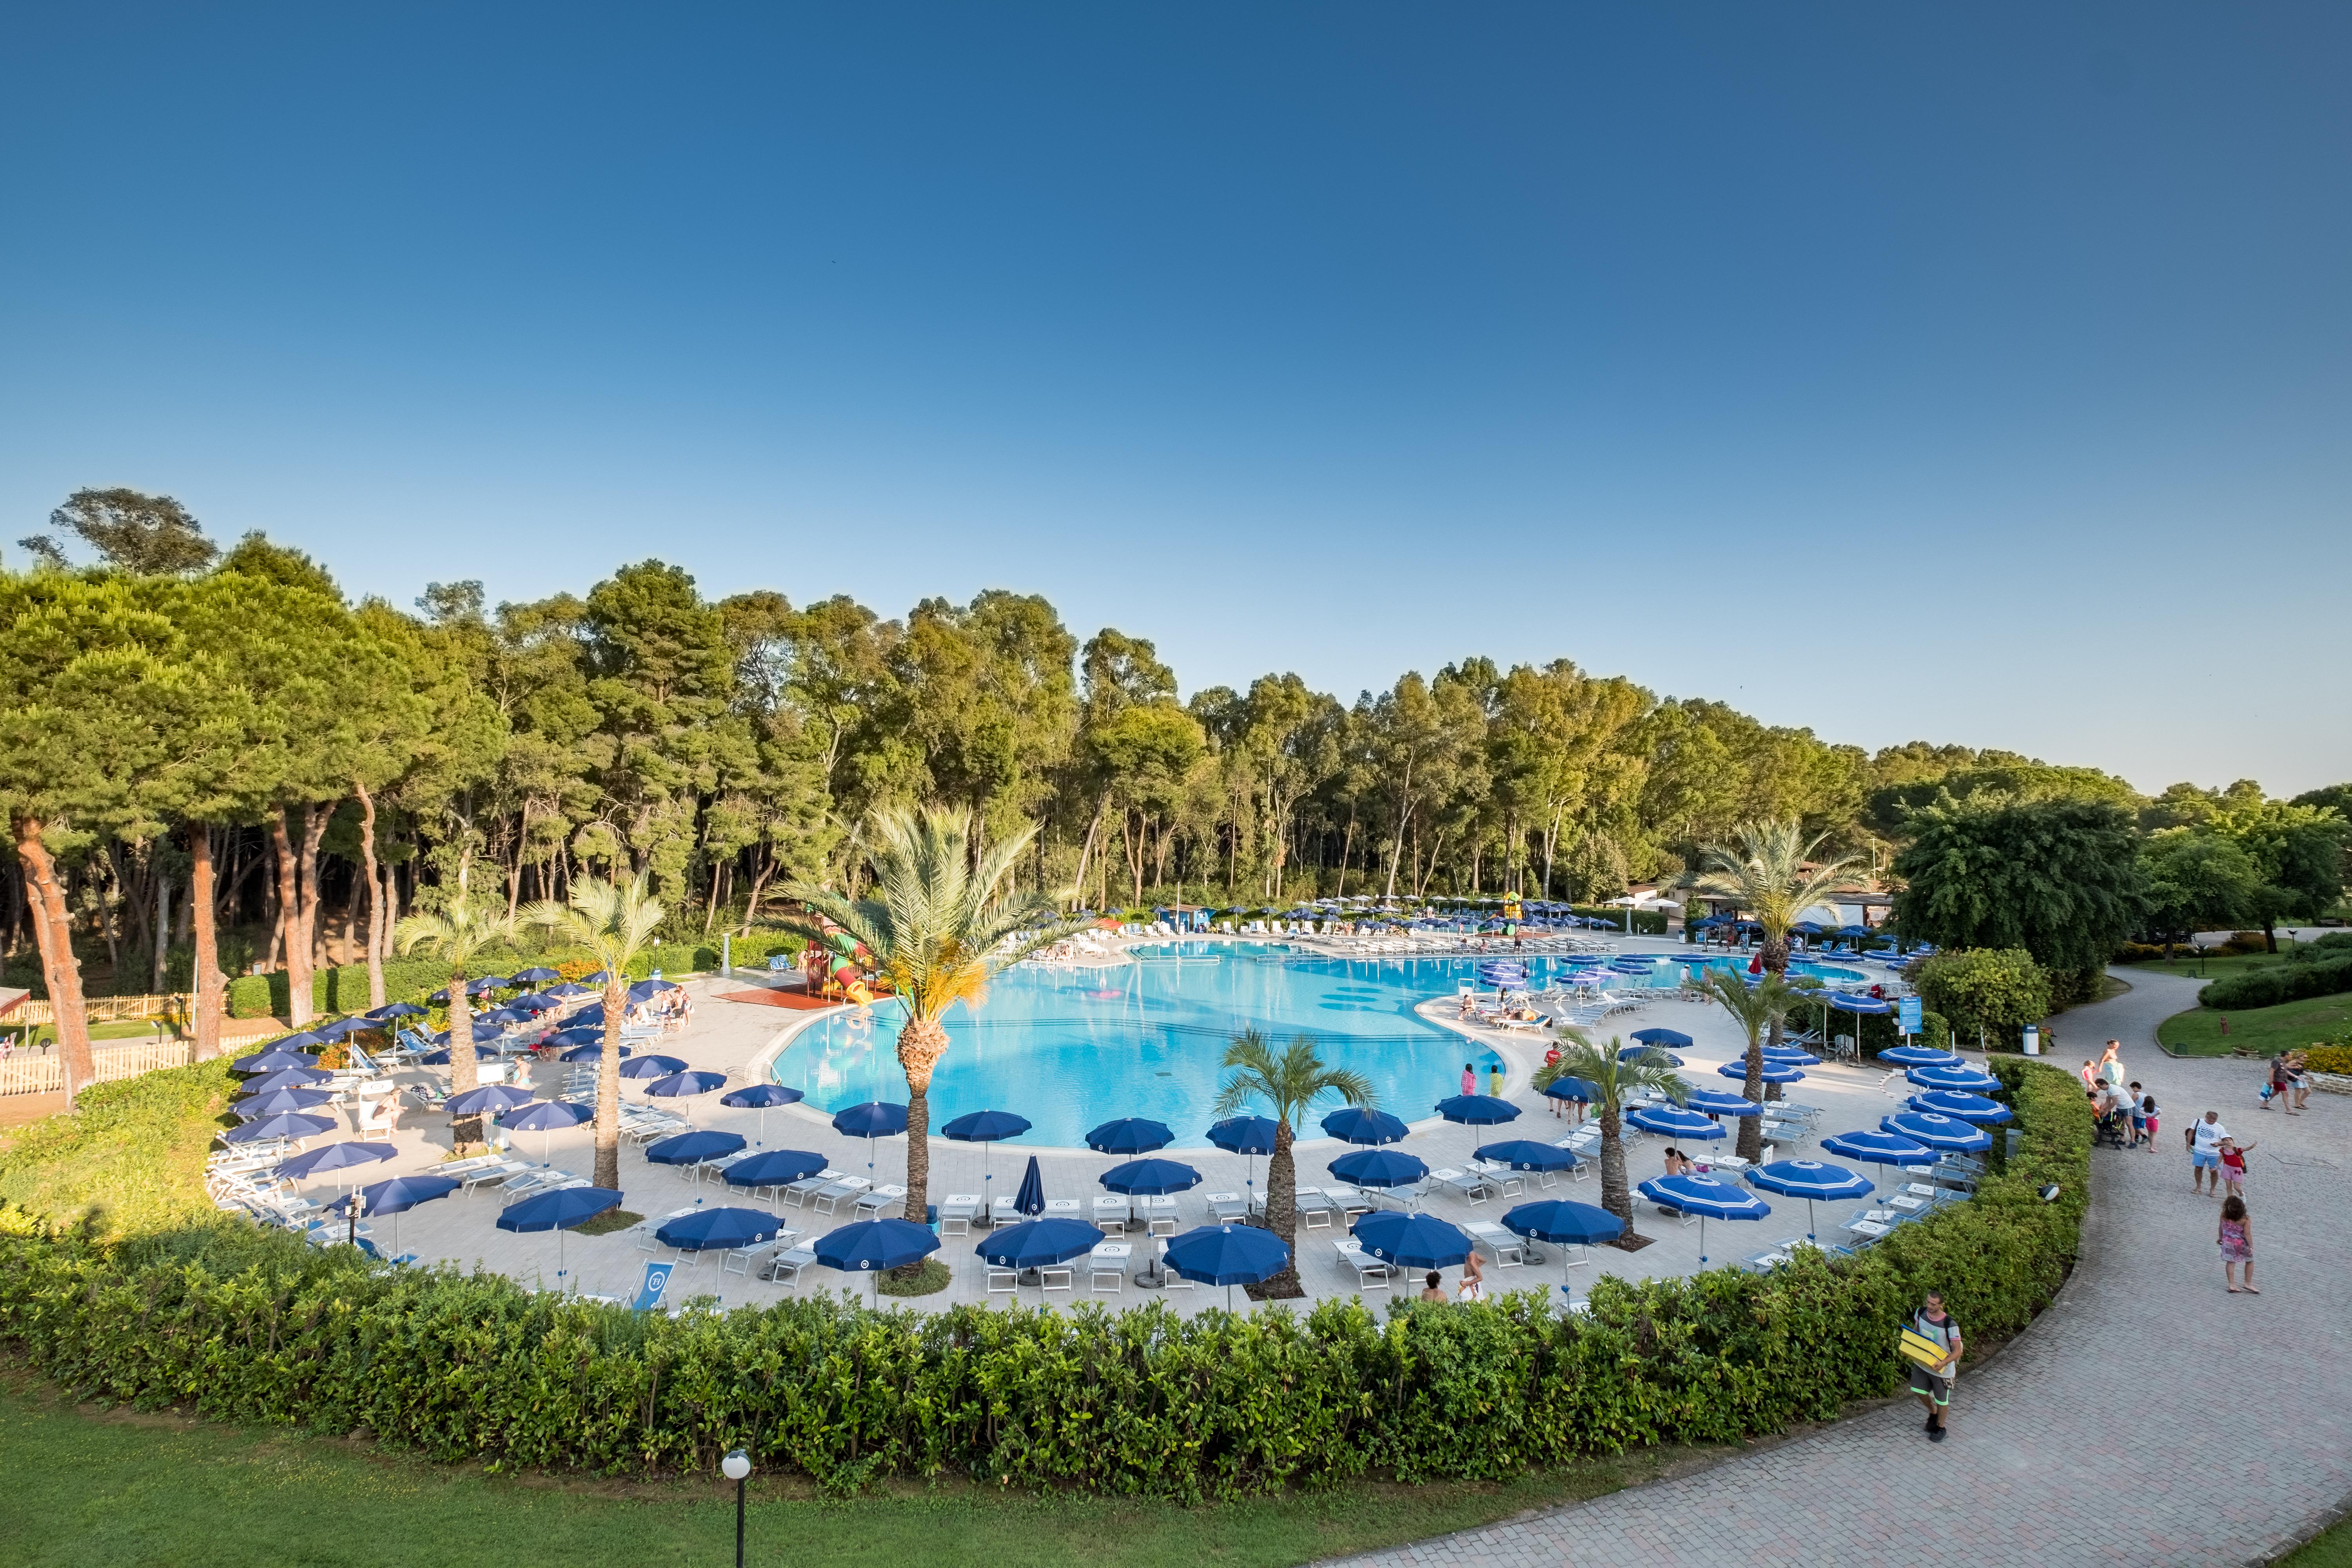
<point>88,1487</point>
<point>934,1279</point>
<point>608,1222</point>
<point>2266,1031</point>
<point>2330,1549</point>
<point>131,1158</point>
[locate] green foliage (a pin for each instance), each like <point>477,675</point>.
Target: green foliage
<point>2060,878</point>
<point>930,1279</point>
<point>129,1161</point>
<point>1646,923</point>
<point>252,1326</point>
<point>345,989</point>
<point>2273,983</point>
<point>2000,991</point>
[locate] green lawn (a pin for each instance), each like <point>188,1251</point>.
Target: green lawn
<point>86,1489</point>
<point>2263,1030</point>
<point>2332,1550</point>
<point>2208,968</point>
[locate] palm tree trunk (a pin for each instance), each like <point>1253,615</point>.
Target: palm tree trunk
<point>608,1085</point>
<point>921,1043</point>
<point>1615,1195</point>
<point>1282,1209</point>
<point>1751,1128</point>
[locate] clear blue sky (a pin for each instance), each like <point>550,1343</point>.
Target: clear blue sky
<point>1974,373</point>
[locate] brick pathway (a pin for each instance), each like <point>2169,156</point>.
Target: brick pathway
<point>2148,1417</point>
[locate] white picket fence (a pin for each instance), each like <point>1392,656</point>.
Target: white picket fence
<point>104,1009</point>
<point>32,1072</point>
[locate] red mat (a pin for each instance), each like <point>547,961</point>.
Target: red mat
<point>799,1001</point>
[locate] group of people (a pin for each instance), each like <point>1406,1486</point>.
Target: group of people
<point>2290,1085</point>
<point>2212,1150</point>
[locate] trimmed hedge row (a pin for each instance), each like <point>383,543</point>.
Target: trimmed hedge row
<point>2273,983</point>
<point>256,1327</point>
<point>344,989</point>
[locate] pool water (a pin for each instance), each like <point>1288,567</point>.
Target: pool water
<point>1071,1048</point>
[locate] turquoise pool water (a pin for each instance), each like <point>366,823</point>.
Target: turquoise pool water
<point>1070,1049</point>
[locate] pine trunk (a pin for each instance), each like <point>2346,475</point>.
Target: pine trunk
<point>376,927</point>
<point>53,929</point>
<point>208,984</point>
<point>295,955</point>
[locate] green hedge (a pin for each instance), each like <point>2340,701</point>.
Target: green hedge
<point>344,989</point>
<point>252,1326</point>
<point>2273,983</point>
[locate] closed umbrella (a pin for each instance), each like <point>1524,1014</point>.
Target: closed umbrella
<point>1968,1106</point>
<point>1707,1198</point>
<point>871,1246</point>
<point>762,1098</point>
<point>985,1128</point>
<point>547,1117</point>
<point>1812,1179</point>
<point>558,1211</point>
<point>1564,1223</point>
<point>1411,1241</point>
<point>1031,1199</point>
<point>1356,1124</point>
<point>1672,1122</point>
<point>1227,1255</point>
<point>1477,1109</point>
<point>1382,1168</point>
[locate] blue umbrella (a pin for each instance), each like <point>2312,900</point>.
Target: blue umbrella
<point>342,1027</point>
<point>1039,1243</point>
<point>1031,1199</point>
<point>1525,1155</point>
<point>762,1098</point>
<point>695,1147</point>
<point>1477,1109</point>
<point>533,976</point>
<point>1582,1091</point>
<point>1673,1122</point>
<point>1960,1077</point>
<point>1811,1180</point>
<point>1564,1223</point>
<point>1716,1102</point>
<point>1881,1148</point>
<point>584,1035</point>
<point>1707,1199</point>
<point>547,1117</point>
<point>1773,1074</point>
<point>874,1119</point>
<point>707,1230</point>
<point>569,989</point>
<point>652,1066</point>
<point>334,1157</point>
<point>502,1016</point>
<point>1662,1038</point>
<point>1918,1057</point>
<point>984,1128</point>
<point>1129,1135</point>
<point>487,983</point>
<point>285,1078</point>
<point>558,1211</point>
<point>395,1197</point>
<point>590,1054</point>
<point>278,1101</point>
<point>1411,1241</point>
<point>775,1168</point>
<point>1379,1168</point>
<point>1356,1124</point>
<point>1973,1108</point>
<point>1790,1056</point>
<point>398,1010</point>
<point>678,1085</point>
<point>1649,1053</point>
<point>1846,1001</point>
<point>1151,1178</point>
<point>488,1100</point>
<point>533,1004</point>
<point>1244,1134</point>
<point>871,1246</point>
<point>1938,1131</point>
<point>285,1124</point>
<point>1228,1254</point>
<point>273,1059</point>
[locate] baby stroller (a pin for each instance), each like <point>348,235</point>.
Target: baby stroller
<point>2113,1131</point>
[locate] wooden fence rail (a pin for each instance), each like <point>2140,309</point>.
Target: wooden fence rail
<point>103,1009</point>
<point>26,1072</point>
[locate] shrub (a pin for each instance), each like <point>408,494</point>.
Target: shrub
<point>253,1326</point>
<point>2139,952</point>
<point>1996,991</point>
<point>2328,1058</point>
<point>2270,985</point>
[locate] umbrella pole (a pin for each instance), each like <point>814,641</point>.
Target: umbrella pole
<point>1702,1241</point>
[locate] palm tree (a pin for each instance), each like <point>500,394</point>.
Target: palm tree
<point>616,922</point>
<point>1766,876</point>
<point>1290,1083</point>
<point>1759,1008</point>
<point>1613,1078</point>
<point>456,935</point>
<point>939,921</point>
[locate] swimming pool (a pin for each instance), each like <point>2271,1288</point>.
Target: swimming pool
<point>1070,1049</point>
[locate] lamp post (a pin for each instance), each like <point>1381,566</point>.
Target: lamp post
<point>736,1466</point>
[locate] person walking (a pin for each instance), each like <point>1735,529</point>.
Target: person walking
<point>2233,1166</point>
<point>2089,1074</point>
<point>2299,1079</point>
<point>2282,1085</point>
<point>2205,1151</point>
<point>2236,1237</point>
<point>1474,1279</point>
<point>1934,1385</point>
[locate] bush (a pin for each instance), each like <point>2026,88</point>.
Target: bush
<point>2139,952</point>
<point>1996,991</point>
<point>252,1326</point>
<point>2328,1058</point>
<point>2269,986</point>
